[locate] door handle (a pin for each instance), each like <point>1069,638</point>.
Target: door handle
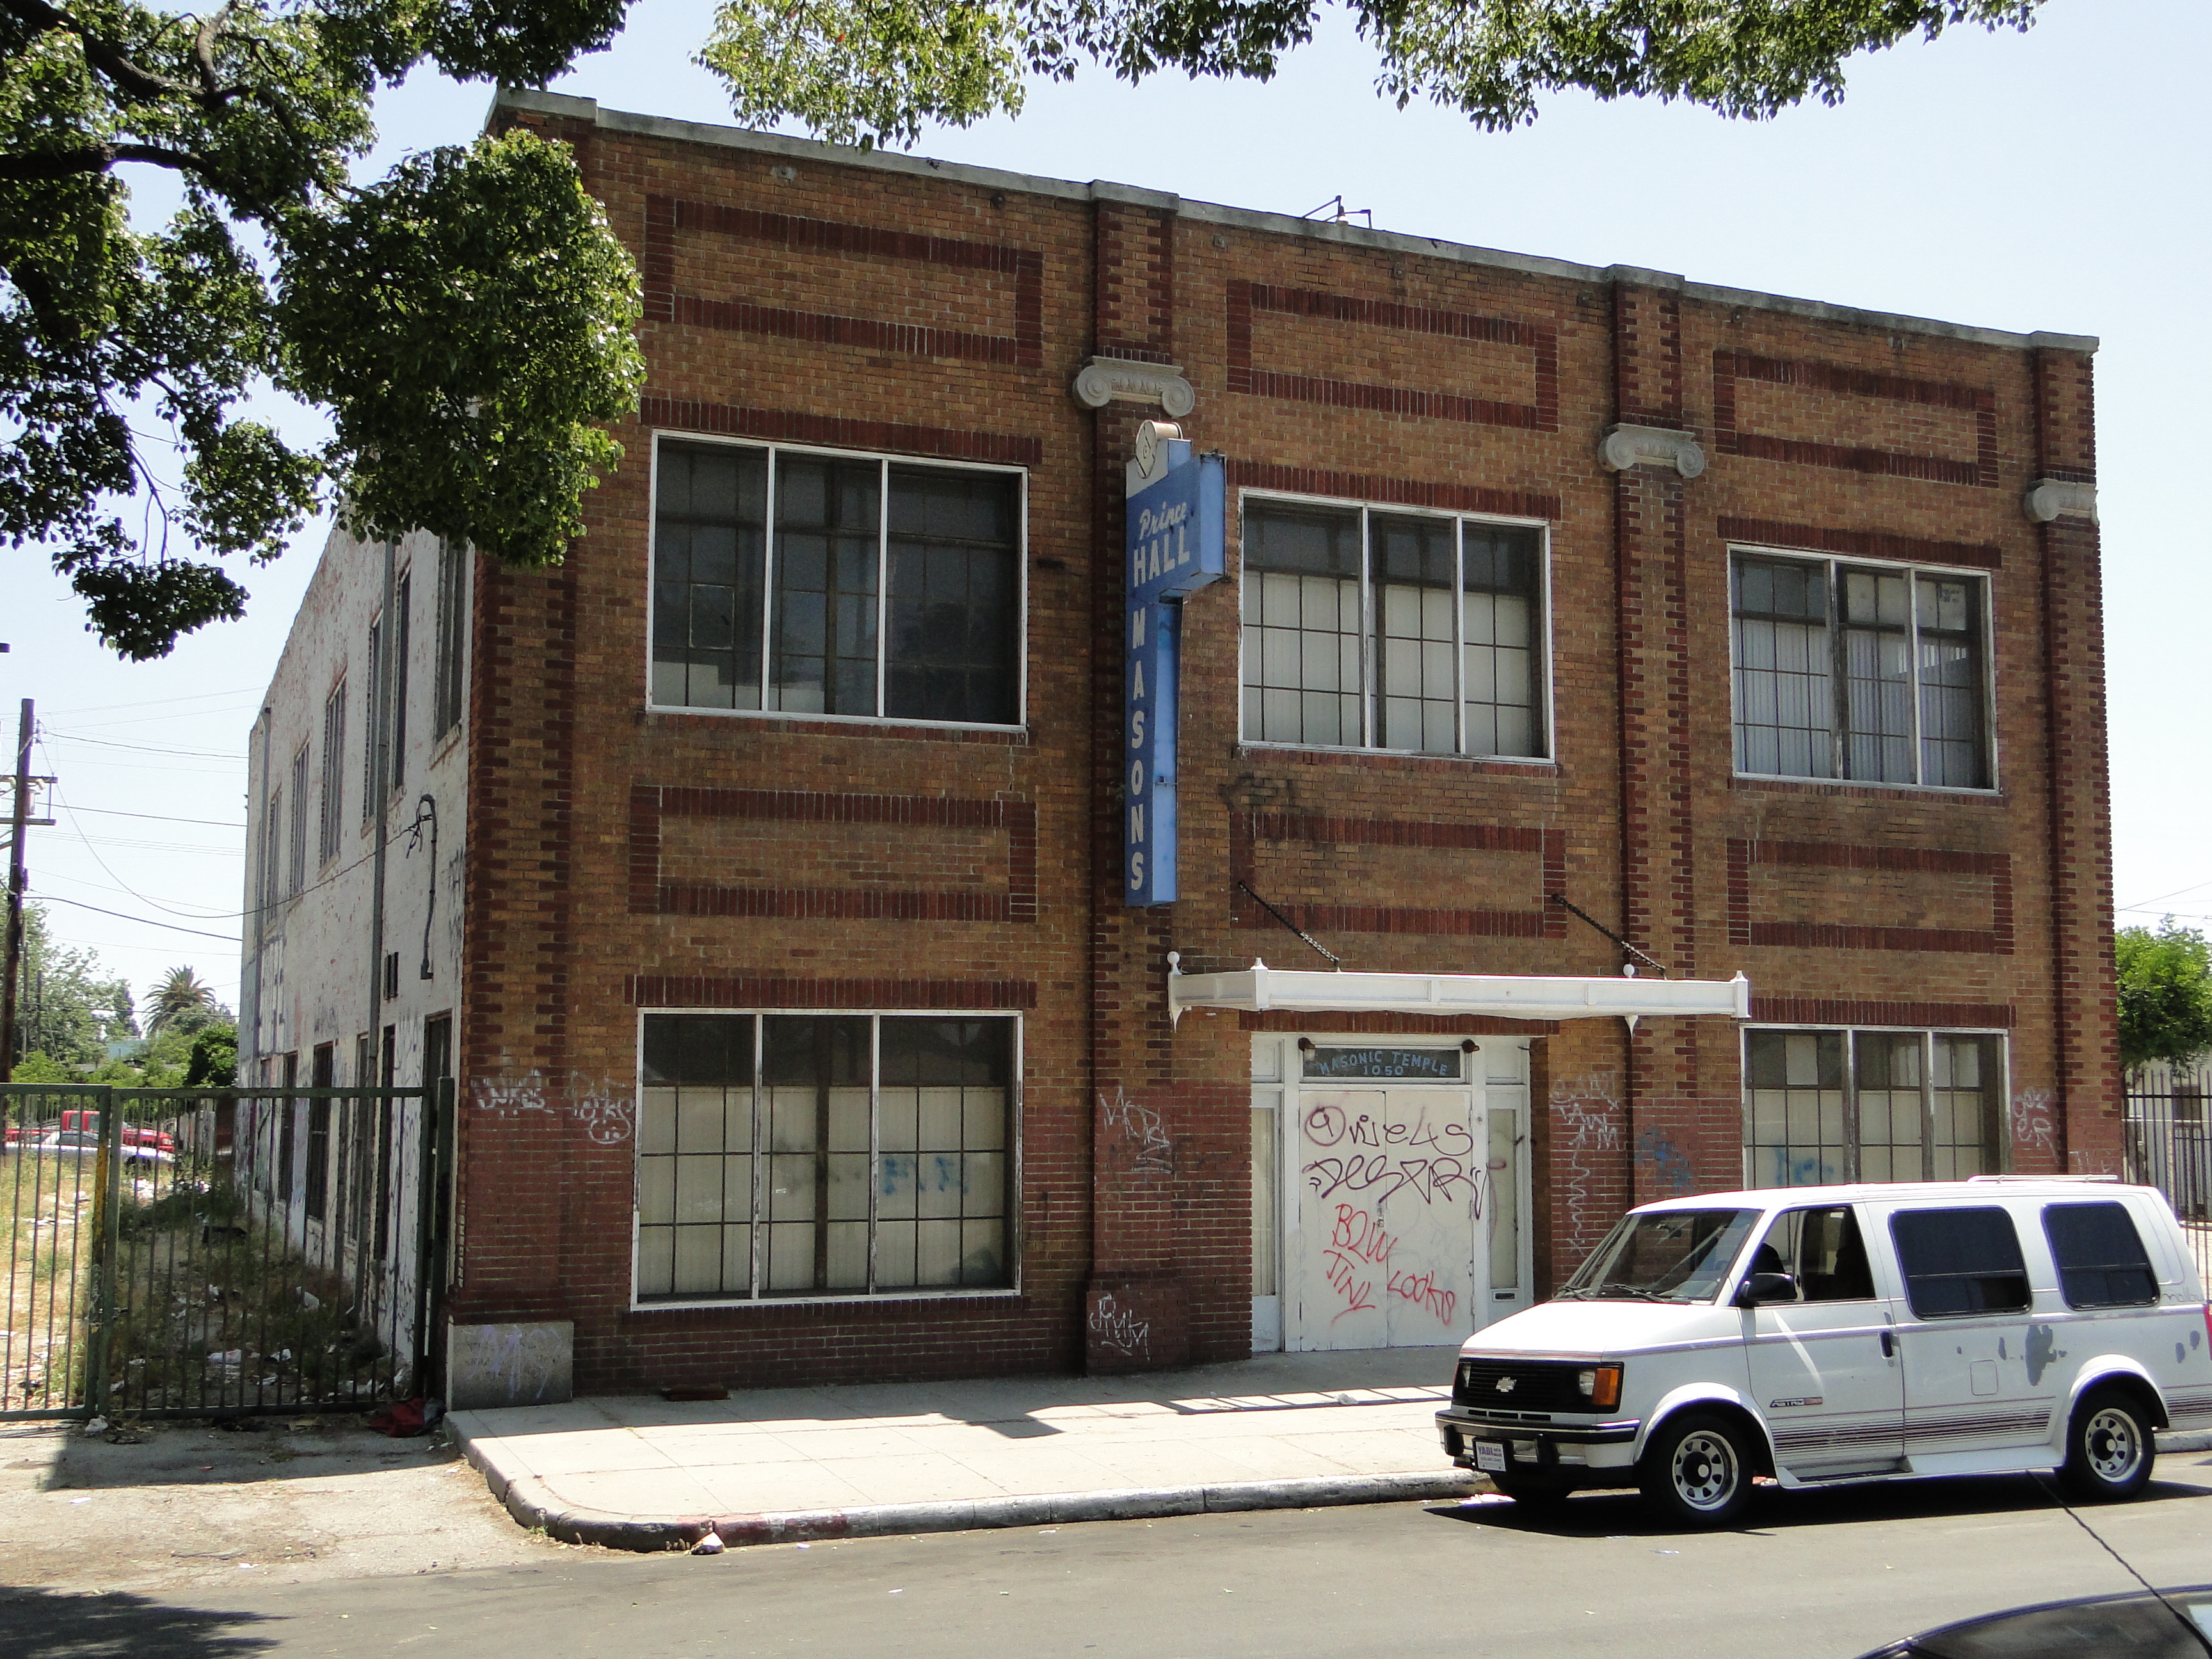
<point>1888,1346</point>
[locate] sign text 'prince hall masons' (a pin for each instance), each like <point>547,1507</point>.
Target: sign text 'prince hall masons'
<point>1174,538</point>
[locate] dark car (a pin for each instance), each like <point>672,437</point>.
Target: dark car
<point>2139,1624</point>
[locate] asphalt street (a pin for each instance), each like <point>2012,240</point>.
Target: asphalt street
<point>1815,1575</point>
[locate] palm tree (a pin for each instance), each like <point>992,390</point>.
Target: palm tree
<point>183,999</point>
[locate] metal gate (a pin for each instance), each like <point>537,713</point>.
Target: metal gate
<point>2169,1144</point>
<point>184,1253</point>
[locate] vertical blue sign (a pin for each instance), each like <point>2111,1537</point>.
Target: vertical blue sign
<point>1174,540</point>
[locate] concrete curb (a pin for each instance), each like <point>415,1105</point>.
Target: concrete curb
<point>2186,1440</point>
<point>533,1504</point>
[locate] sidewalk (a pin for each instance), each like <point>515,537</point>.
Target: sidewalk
<point>1278,1430</point>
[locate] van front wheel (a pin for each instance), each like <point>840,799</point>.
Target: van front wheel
<point>2109,1449</point>
<point>1696,1470</point>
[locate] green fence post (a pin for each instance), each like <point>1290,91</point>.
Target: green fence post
<point>107,1209</point>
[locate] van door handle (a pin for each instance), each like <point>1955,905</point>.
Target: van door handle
<point>1888,1346</point>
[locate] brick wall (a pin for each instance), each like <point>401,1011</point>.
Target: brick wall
<point>621,857</point>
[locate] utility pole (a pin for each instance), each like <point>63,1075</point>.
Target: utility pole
<point>22,818</point>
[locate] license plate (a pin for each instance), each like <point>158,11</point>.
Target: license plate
<point>1490,1454</point>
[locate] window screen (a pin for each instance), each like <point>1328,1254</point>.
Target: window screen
<point>1959,1261</point>
<point>2100,1256</point>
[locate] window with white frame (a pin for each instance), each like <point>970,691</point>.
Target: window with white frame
<point>1872,673</point>
<point>799,581</point>
<point>1822,1107</point>
<point>1367,628</point>
<point>801,1155</point>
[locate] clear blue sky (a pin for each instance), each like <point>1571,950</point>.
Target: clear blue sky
<point>2050,180</point>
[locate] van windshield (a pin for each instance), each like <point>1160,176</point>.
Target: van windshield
<point>1672,1255</point>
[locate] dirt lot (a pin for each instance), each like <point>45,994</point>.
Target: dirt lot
<point>189,1504</point>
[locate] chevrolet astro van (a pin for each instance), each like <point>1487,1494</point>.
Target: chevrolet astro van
<point>1833,1334</point>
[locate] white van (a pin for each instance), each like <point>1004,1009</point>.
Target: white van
<point>1831,1334</point>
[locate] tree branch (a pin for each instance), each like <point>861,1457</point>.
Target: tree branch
<point>41,165</point>
<point>109,58</point>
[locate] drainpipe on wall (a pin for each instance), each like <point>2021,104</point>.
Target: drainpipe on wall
<point>380,716</point>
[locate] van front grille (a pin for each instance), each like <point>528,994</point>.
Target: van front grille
<point>1520,1385</point>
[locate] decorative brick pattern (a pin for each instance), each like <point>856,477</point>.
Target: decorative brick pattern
<point>1836,380</point>
<point>1855,1011</point>
<point>1540,342</point>
<point>1996,939</point>
<point>1392,492</point>
<point>668,217</point>
<point>652,891</point>
<point>1544,921</point>
<point>779,991</point>
<point>1861,544</point>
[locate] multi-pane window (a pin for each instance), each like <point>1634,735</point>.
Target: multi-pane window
<point>395,764</point>
<point>1871,673</point>
<point>1372,629</point>
<point>450,687</point>
<point>1831,1106</point>
<point>272,830</point>
<point>295,871</point>
<point>824,1155</point>
<point>372,725</point>
<point>333,801</point>
<point>800,582</point>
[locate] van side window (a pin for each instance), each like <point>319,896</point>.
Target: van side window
<point>2100,1255</point>
<point>1960,1261</point>
<point>1822,1250</point>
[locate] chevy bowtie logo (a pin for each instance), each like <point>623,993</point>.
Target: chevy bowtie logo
<point>1505,1384</point>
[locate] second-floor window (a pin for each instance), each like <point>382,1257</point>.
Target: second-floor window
<point>1871,673</point>
<point>1372,629</point>
<point>802,582</point>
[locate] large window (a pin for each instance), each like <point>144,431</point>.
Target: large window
<point>1873,673</point>
<point>1368,630</point>
<point>451,685</point>
<point>805,583</point>
<point>824,1155</point>
<point>1831,1106</point>
<point>1959,1262</point>
<point>333,801</point>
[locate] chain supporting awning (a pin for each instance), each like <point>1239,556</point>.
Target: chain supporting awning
<point>1503,996</point>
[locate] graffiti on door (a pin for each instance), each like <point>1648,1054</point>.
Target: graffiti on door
<point>1432,1160</point>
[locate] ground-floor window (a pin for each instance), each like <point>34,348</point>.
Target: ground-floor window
<point>1832,1106</point>
<point>792,1155</point>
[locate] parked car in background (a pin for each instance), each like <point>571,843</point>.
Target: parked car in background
<point>1836,1334</point>
<point>129,1134</point>
<point>85,1143</point>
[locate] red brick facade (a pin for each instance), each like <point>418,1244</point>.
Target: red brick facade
<point>807,295</point>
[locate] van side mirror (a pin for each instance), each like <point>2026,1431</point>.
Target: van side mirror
<point>1767,1287</point>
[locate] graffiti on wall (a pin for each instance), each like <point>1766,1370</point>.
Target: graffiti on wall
<point>1119,1330</point>
<point>606,1110</point>
<point>1668,1164</point>
<point>1152,1149</point>
<point>2035,1128</point>
<point>1586,1147</point>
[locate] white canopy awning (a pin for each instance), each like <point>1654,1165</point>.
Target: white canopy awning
<point>1507,996</point>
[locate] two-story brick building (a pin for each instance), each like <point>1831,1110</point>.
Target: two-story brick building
<point>803,1026</point>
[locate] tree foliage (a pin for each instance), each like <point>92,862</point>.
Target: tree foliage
<point>183,1003</point>
<point>2165,993</point>
<point>466,322</point>
<point>875,70</point>
<point>68,1006</point>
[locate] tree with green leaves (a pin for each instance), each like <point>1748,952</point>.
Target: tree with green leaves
<point>183,1003</point>
<point>467,323</point>
<point>68,1006</point>
<point>2165,993</point>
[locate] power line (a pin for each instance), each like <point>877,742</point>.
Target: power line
<point>145,748</point>
<point>144,921</point>
<point>162,817</point>
<point>156,702</point>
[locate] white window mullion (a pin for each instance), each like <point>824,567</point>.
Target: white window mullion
<point>768,578</point>
<point>875,1152</point>
<point>1369,657</point>
<point>882,615</point>
<point>760,1149</point>
<point>1459,636</point>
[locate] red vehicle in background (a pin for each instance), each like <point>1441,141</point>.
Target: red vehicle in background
<point>88,1123</point>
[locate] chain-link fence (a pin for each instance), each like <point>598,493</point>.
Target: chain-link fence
<point>196,1252</point>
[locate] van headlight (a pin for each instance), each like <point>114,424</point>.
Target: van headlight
<point>1601,1386</point>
